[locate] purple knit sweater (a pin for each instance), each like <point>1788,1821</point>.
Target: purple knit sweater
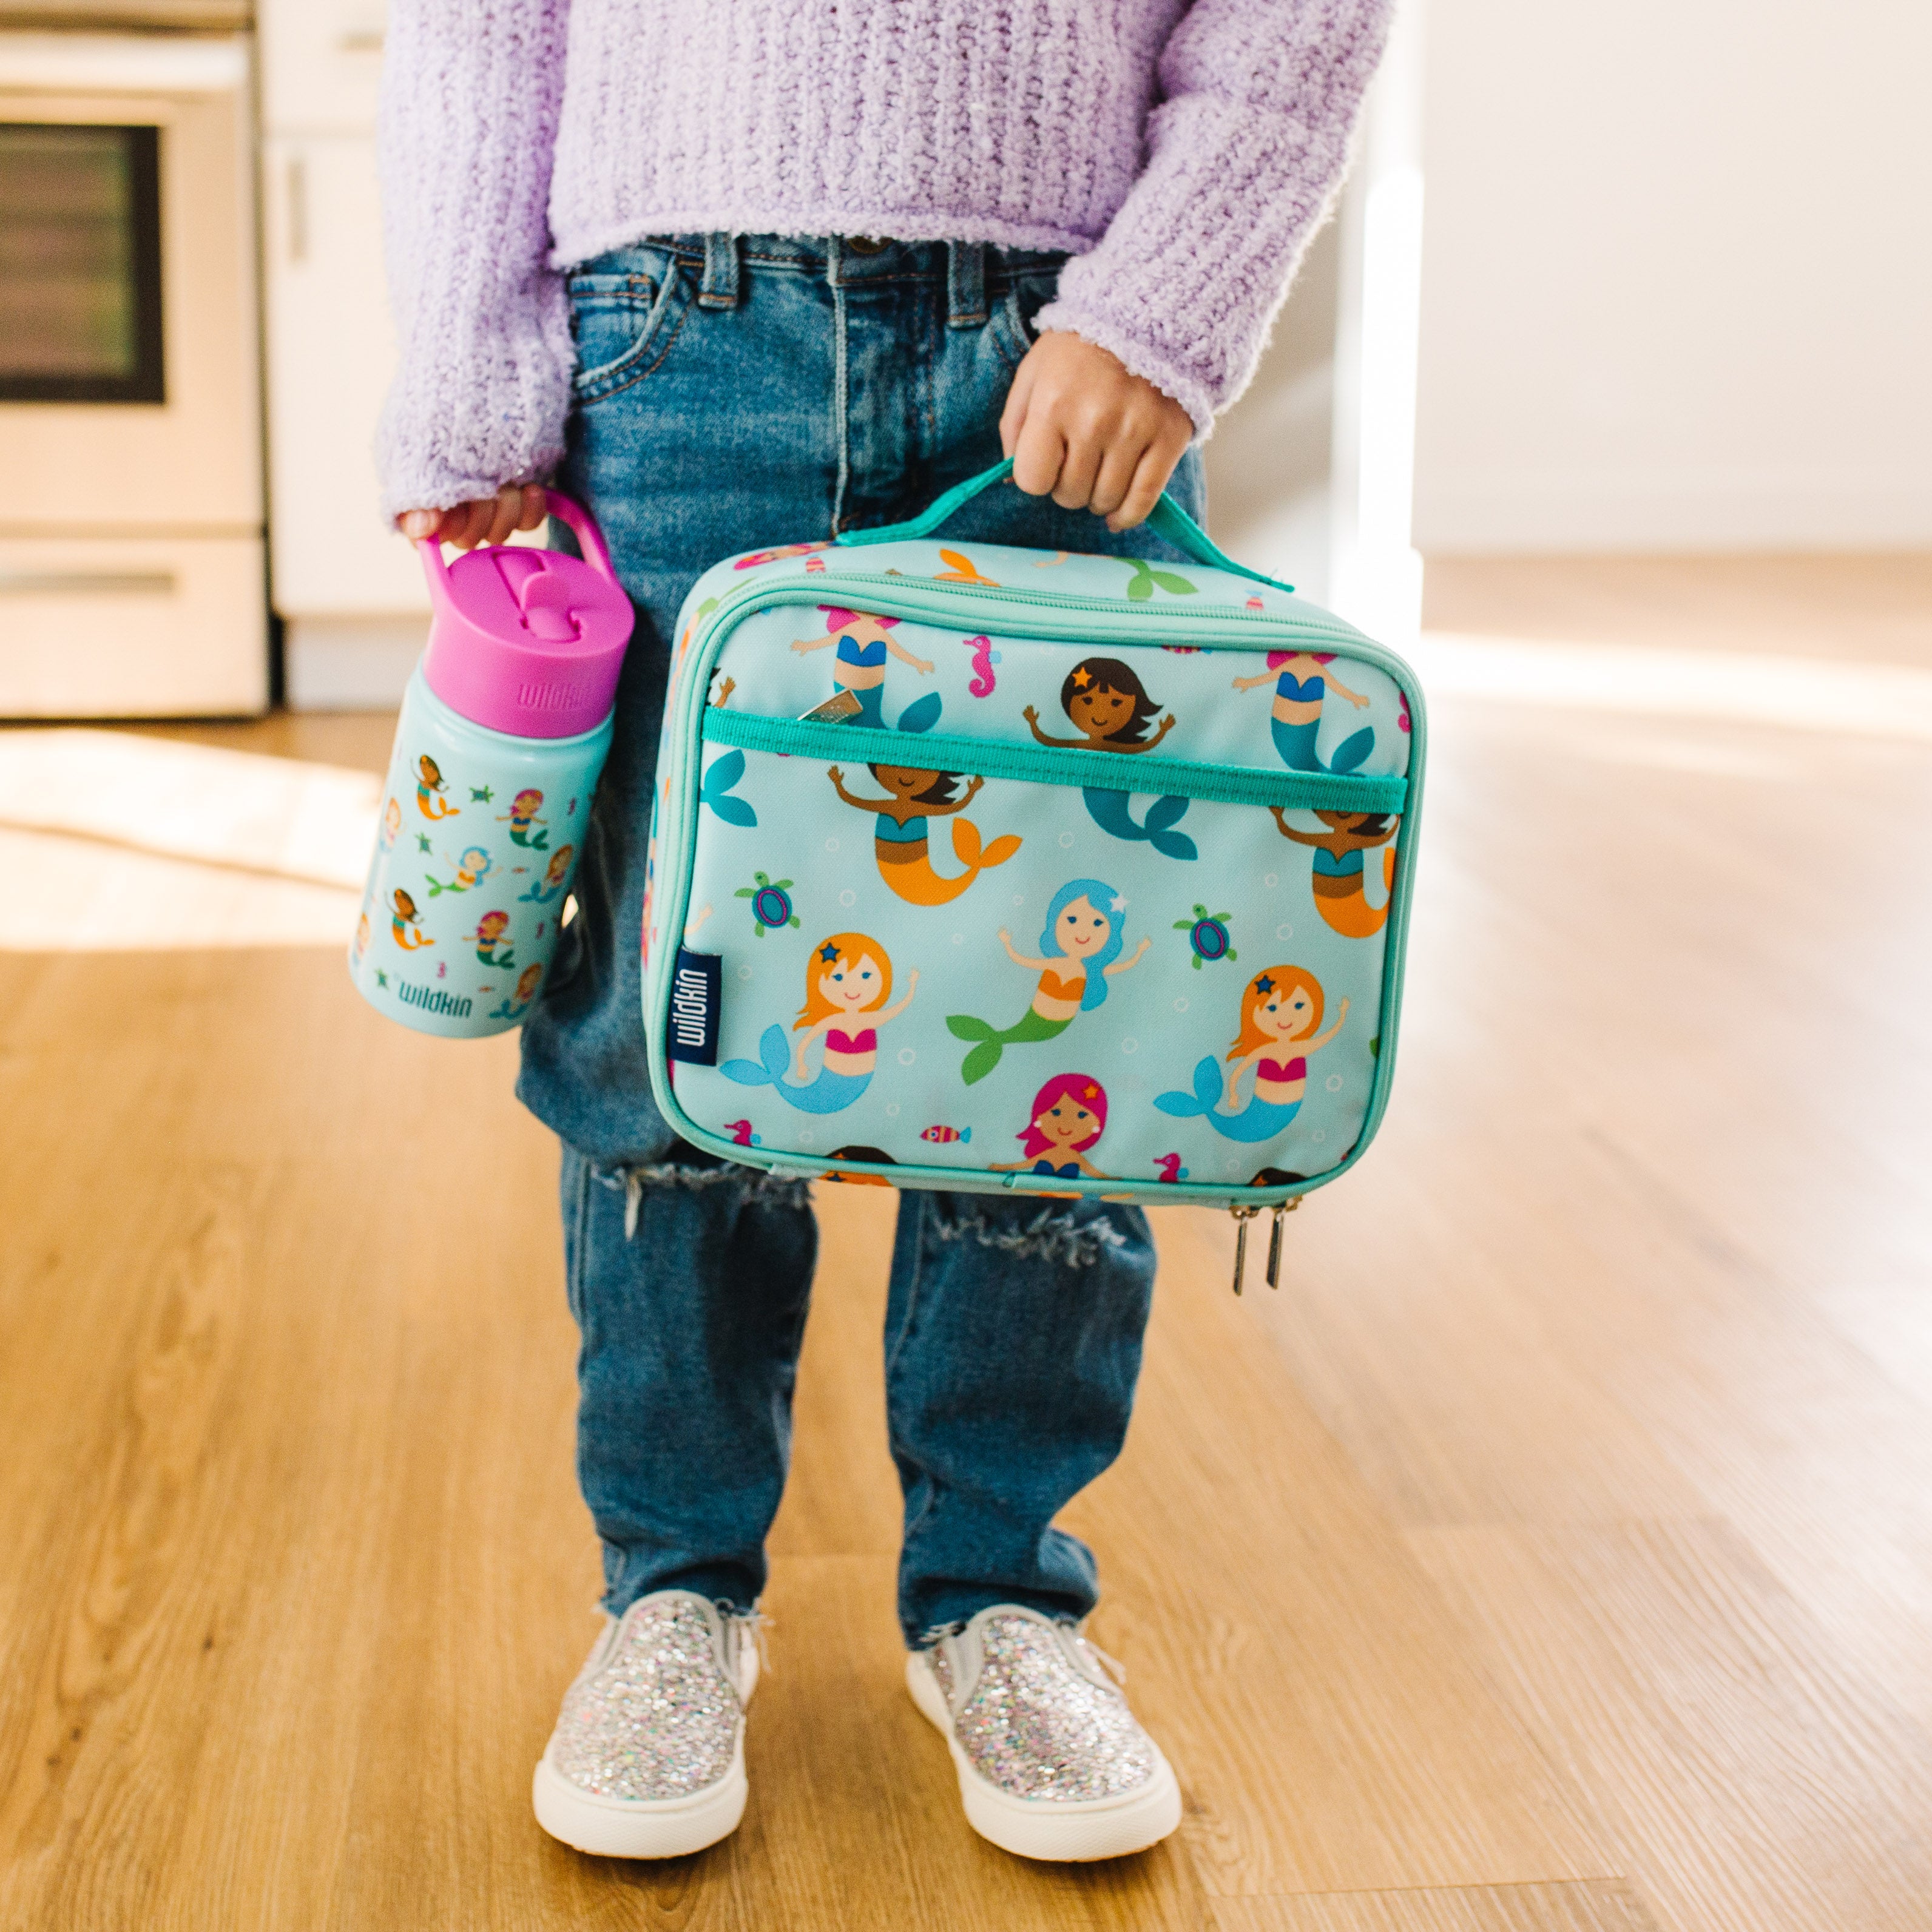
<point>1183,153</point>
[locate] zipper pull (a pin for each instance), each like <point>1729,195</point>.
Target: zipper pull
<point>1274,1241</point>
<point>1243,1216</point>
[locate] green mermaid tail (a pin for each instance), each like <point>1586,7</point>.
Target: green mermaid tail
<point>985,1055</point>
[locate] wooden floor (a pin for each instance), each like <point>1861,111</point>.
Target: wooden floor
<point>1553,1554</point>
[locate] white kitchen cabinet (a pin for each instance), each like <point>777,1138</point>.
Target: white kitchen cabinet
<point>321,63</point>
<point>331,351</point>
<point>350,592</point>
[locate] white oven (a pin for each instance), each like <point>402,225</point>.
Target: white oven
<point>131,558</point>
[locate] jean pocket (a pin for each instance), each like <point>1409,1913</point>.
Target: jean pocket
<point>624,323</point>
<point>1014,318</point>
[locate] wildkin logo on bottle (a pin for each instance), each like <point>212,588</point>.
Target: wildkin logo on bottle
<point>548,695</point>
<point>433,1000</point>
<point>691,1033</point>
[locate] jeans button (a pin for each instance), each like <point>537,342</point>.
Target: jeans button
<point>865,244</point>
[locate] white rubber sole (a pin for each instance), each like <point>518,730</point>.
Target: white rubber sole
<point>618,1827</point>
<point>1032,1828</point>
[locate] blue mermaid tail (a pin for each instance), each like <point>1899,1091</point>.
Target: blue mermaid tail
<point>1257,1121</point>
<point>720,778</point>
<point>1111,811</point>
<point>827,1094</point>
<point>1296,744</point>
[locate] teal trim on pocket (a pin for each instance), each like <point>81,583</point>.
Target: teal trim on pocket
<point>1105,771</point>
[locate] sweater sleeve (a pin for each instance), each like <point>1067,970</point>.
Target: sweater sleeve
<point>470,98</point>
<point>1244,152</point>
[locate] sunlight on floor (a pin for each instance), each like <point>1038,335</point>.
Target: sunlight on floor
<point>1864,700</point>
<point>116,842</point>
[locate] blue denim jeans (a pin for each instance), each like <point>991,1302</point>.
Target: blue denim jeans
<point>732,397</point>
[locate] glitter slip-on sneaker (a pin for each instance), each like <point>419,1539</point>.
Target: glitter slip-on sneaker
<point>1051,1763</point>
<point>647,1760</point>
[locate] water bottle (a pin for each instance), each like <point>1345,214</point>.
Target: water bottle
<point>503,732</point>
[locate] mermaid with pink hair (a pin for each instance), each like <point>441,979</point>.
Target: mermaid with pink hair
<point>1068,1116</point>
<point>1302,680</point>
<point>863,641</point>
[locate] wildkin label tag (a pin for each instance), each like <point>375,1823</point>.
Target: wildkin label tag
<point>697,990</point>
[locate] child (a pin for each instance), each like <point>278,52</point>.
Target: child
<point>641,248</point>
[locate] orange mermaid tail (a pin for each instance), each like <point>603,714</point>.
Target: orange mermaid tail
<point>908,870</point>
<point>1343,903</point>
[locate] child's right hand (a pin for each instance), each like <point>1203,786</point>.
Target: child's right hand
<point>517,506</point>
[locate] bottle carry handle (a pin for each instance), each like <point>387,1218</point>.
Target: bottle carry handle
<point>577,520</point>
<point>1167,519</point>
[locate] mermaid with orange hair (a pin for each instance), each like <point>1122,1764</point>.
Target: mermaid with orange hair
<point>847,980</point>
<point>1281,1009</point>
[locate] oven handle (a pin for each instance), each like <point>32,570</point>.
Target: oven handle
<point>87,584</point>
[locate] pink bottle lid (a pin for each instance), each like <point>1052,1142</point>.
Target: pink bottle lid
<point>527,641</point>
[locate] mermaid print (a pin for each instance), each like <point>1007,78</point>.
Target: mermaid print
<point>1302,680</point>
<point>392,824</point>
<point>1081,940</point>
<point>758,557</point>
<point>1068,1116</point>
<point>525,822</point>
<point>1281,1009</point>
<point>403,924</point>
<point>848,978</point>
<point>543,890</point>
<point>513,1005</point>
<point>469,870</point>
<point>899,835</point>
<point>1109,706</point>
<point>1340,882</point>
<point>492,948</point>
<point>431,790</point>
<point>859,668</point>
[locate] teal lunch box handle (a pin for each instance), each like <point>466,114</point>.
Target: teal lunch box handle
<point>1167,519</point>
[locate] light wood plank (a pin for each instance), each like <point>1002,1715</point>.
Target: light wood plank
<point>1599,1905</point>
<point>1750,1785</point>
<point>1333,1734</point>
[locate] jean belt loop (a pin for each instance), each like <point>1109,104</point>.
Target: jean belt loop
<point>965,284</point>
<point>719,289</point>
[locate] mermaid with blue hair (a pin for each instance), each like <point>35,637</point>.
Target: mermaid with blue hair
<point>1081,940</point>
<point>850,975</point>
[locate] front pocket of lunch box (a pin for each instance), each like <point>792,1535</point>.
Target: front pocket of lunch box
<point>958,968</point>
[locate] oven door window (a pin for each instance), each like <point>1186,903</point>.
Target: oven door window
<point>80,264</point>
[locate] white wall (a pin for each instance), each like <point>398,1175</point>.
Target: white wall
<point>1677,286</point>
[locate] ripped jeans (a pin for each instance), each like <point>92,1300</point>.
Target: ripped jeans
<point>731,397</point>
<point>1012,1342</point>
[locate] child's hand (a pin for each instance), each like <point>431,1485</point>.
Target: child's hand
<point>1084,430</point>
<point>517,506</point>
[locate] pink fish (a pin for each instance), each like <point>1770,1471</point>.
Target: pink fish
<point>984,658</point>
<point>1170,1166</point>
<point>741,1133</point>
<point>943,1135</point>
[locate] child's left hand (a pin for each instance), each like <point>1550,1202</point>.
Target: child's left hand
<point>1084,429</point>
